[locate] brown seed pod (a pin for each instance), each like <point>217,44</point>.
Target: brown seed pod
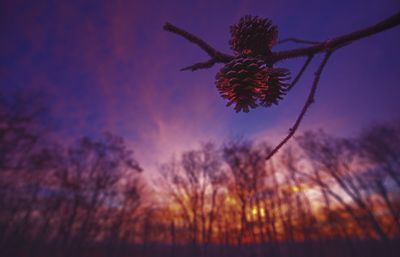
<point>247,82</point>
<point>277,86</point>
<point>253,36</point>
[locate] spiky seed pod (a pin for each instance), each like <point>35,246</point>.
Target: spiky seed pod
<point>277,86</point>
<point>253,36</point>
<point>241,81</point>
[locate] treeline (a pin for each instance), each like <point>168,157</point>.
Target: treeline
<point>60,201</point>
<point>322,196</point>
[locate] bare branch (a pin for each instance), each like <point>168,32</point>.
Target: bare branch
<point>200,65</point>
<point>326,47</point>
<point>212,52</point>
<point>297,40</point>
<point>309,101</point>
<point>318,47</point>
<point>340,41</point>
<point>305,65</point>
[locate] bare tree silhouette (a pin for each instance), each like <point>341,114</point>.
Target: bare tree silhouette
<point>54,196</point>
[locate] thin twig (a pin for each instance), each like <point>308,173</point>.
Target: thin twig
<point>212,52</point>
<point>340,41</point>
<point>327,46</point>
<point>333,43</point>
<point>305,65</point>
<point>297,40</point>
<point>309,101</point>
<point>200,65</point>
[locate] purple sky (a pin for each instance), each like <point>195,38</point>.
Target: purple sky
<point>109,66</point>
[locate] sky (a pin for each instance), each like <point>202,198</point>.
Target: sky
<point>109,66</point>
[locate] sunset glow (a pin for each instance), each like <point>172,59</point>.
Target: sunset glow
<point>111,147</point>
